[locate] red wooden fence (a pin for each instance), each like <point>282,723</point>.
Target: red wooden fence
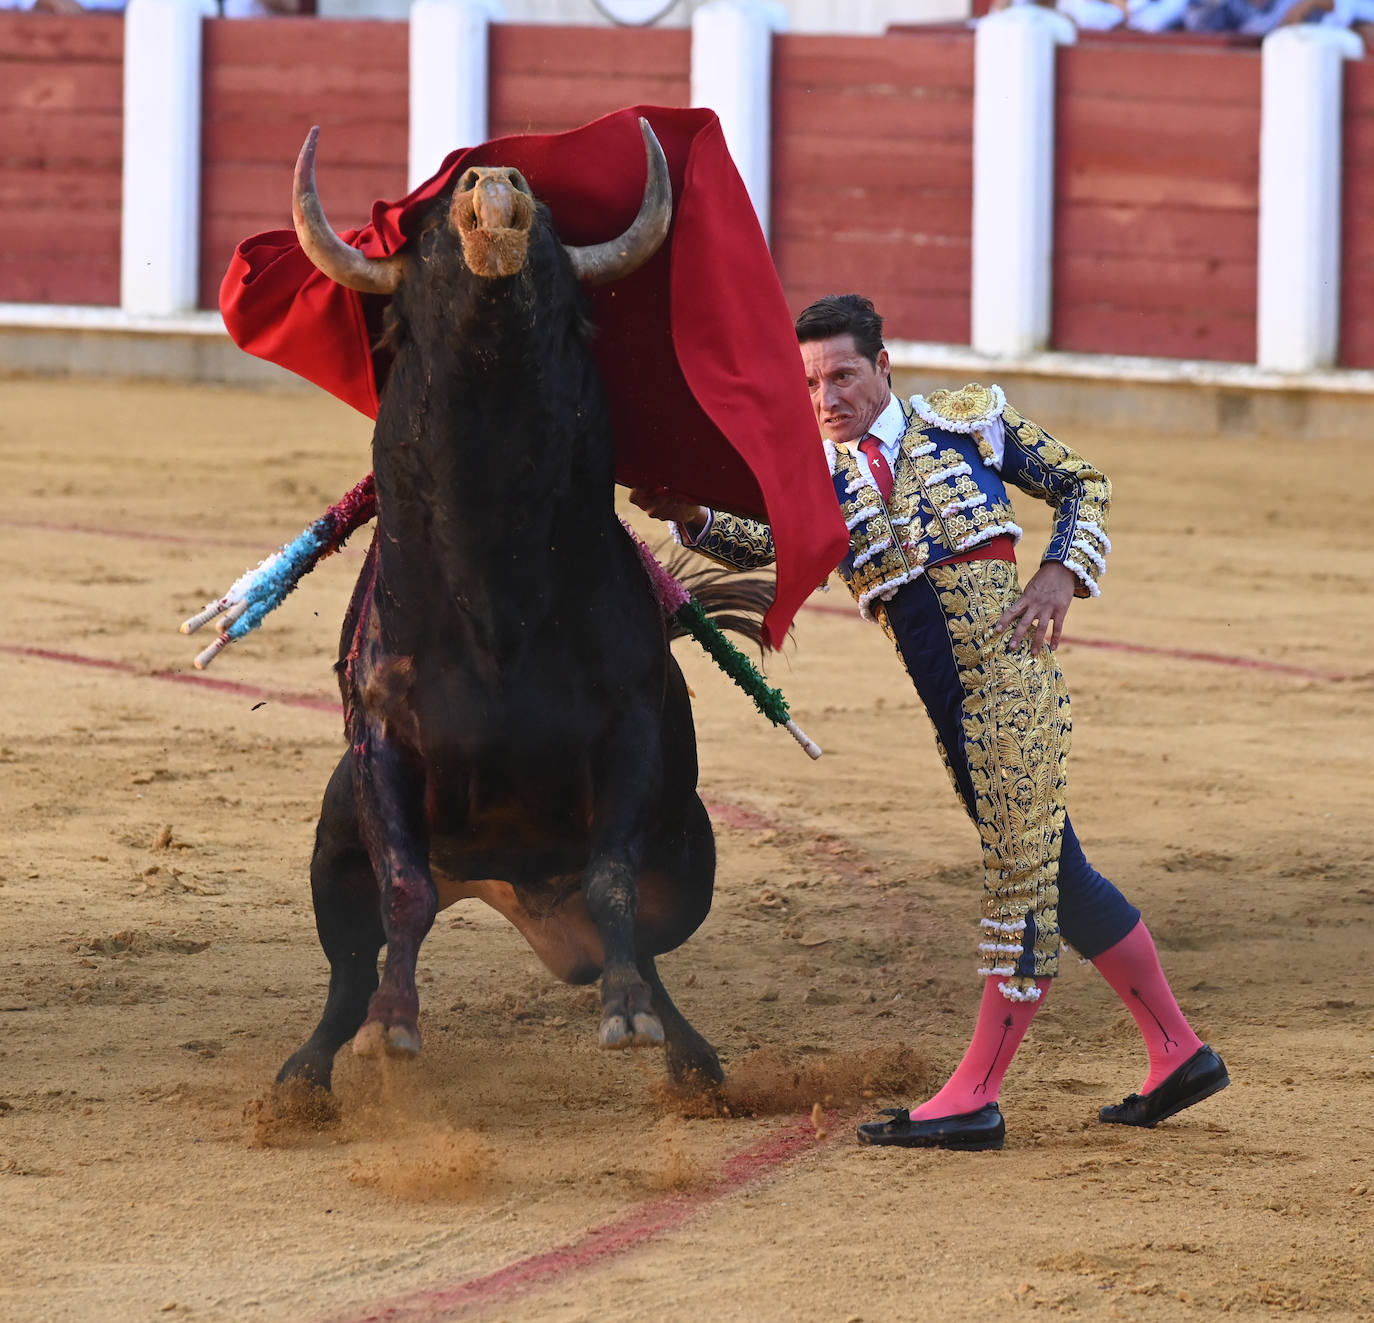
<point>1156,208</point>
<point>61,153</point>
<point>1357,234</point>
<point>266,81</point>
<point>1157,200</point>
<point>873,175</point>
<point>547,79</point>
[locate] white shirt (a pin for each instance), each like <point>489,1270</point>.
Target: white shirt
<point>889,427</point>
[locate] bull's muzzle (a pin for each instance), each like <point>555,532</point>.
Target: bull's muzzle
<point>492,212</point>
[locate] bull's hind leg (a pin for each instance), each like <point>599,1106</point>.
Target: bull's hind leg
<point>678,882</point>
<point>348,920</point>
<point>692,1061</point>
<point>627,780</point>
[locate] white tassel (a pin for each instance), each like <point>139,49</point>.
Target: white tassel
<point>863,513</point>
<point>1087,526</point>
<point>874,549</point>
<point>1078,544</point>
<point>941,475</point>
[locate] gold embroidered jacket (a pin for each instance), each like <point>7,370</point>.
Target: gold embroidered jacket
<point>949,494</point>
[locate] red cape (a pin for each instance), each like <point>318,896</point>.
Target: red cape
<point>706,388</point>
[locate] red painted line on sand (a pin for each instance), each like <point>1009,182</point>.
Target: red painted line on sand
<point>735,815</point>
<point>823,608</point>
<point>134,534</point>
<point>314,702</point>
<point>1154,650</point>
<point>597,1244</point>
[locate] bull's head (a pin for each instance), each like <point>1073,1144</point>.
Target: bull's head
<point>492,212</point>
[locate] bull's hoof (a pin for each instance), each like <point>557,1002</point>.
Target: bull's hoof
<point>695,1072</point>
<point>403,1040</point>
<point>614,1032</point>
<point>396,1040</point>
<point>642,1030</point>
<point>370,1040</point>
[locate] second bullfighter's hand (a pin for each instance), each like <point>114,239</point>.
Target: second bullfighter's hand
<point>662,504</point>
<point>1042,606</point>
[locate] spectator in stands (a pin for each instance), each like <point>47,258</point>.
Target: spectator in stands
<point>1105,15</point>
<point>264,8</point>
<point>1253,18</point>
<point>1357,15</point>
<point>228,8</point>
<point>66,7</point>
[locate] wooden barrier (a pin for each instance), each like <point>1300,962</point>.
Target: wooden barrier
<point>1157,199</point>
<point>266,82</point>
<point>548,79</point>
<point>61,154</point>
<point>873,175</point>
<point>1357,204</point>
<point>1156,206</point>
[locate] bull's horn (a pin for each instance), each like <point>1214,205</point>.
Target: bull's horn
<point>596,264</point>
<point>340,262</point>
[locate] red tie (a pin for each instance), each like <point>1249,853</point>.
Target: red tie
<point>877,464</point>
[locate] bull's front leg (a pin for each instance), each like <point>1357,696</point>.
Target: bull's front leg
<point>390,785</point>
<point>627,784</point>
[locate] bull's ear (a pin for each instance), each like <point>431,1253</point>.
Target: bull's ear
<point>339,261</point>
<point>598,264</point>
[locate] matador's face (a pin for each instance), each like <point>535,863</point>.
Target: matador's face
<point>847,391</point>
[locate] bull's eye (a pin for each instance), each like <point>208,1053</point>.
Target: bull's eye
<point>469,181</point>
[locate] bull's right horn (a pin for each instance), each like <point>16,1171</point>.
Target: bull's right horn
<point>339,261</point>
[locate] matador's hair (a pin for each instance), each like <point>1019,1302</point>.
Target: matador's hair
<point>844,314</point>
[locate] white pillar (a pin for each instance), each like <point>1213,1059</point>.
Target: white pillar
<point>159,264</point>
<point>448,80</point>
<point>1013,177</point>
<point>732,74</point>
<point>1300,196</point>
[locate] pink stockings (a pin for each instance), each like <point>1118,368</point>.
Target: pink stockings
<point>1001,1026</point>
<point>1132,969</point>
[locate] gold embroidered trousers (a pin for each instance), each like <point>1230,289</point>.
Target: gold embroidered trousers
<point>1003,727</point>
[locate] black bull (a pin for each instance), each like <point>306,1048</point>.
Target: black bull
<point>518,729</point>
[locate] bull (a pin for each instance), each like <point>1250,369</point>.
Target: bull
<point>518,730</point>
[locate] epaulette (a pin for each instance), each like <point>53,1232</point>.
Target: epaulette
<point>964,410</point>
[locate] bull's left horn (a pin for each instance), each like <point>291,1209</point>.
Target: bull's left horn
<point>596,264</point>
<point>338,260</point>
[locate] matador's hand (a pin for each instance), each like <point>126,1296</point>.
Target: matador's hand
<point>1043,606</point>
<point>662,504</point>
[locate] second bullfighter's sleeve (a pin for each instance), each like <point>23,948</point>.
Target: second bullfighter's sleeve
<point>735,542</point>
<point>1079,492</point>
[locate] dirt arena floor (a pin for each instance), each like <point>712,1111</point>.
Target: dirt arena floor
<point>158,958</point>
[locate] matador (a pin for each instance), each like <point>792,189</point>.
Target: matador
<point>923,488</point>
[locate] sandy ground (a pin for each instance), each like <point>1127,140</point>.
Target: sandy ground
<point>159,959</point>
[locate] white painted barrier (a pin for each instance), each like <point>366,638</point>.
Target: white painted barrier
<point>159,265</point>
<point>732,74</point>
<point>449,82</point>
<point>1300,196</point>
<point>1013,177</point>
